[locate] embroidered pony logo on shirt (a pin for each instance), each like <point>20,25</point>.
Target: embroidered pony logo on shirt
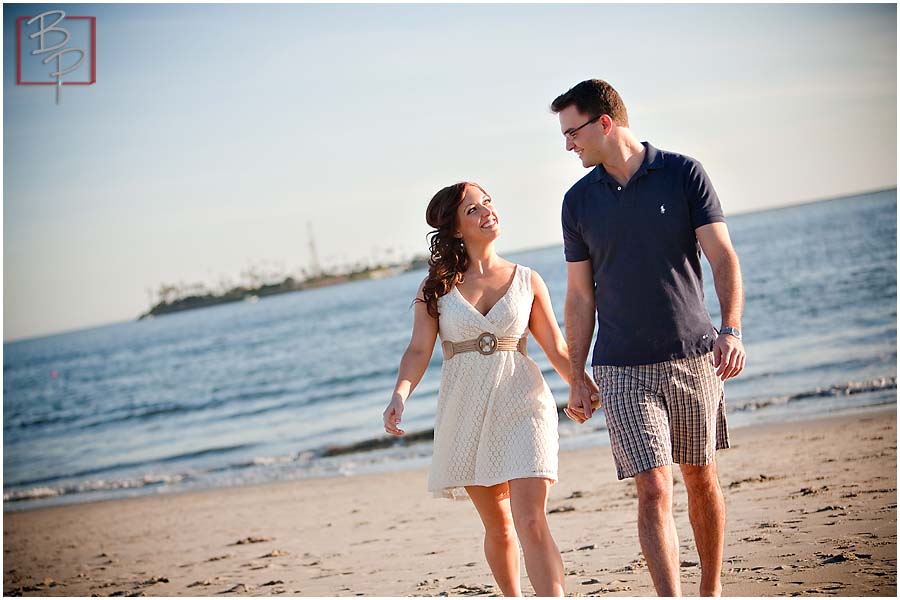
<point>662,209</point>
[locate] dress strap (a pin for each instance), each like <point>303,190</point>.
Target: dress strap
<point>525,274</point>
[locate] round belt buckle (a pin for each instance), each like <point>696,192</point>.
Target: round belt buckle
<point>487,343</point>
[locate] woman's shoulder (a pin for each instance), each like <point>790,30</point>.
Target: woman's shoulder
<point>526,274</point>
<point>533,278</point>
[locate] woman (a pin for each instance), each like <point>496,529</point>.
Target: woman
<point>495,436</point>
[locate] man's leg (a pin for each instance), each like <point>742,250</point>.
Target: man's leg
<point>656,529</point>
<point>706,507</point>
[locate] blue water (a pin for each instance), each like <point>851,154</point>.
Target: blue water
<point>255,392</point>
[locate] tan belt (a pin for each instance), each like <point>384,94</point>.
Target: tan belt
<point>485,344</point>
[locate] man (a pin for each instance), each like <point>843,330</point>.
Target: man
<point>633,229</point>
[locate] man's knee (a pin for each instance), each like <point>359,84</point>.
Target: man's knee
<point>701,479</point>
<point>654,487</point>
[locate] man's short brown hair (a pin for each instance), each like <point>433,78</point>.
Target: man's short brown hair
<point>593,97</point>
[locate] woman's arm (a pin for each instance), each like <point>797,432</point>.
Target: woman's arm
<point>413,364</point>
<point>546,331</point>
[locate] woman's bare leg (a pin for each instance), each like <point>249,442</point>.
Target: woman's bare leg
<point>528,500</point>
<point>500,546</point>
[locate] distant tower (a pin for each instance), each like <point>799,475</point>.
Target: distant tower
<point>315,269</point>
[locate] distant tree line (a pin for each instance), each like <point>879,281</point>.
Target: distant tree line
<point>178,297</point>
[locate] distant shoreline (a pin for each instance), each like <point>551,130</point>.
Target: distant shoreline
<point>288,284</point>
<point>521,250</point>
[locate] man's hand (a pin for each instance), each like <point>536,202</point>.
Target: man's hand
<point>579,408</point>
<point>576,413</point>
<point>728,356</point>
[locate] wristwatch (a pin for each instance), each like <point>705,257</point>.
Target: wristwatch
<point>731,331</point>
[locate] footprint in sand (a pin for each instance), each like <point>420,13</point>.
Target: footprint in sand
<point>832,508</point>
<point>837,558</point>
<point>251,540</point>
<point>222,557</point>
<point>154,580</point>
<point>823,590</point>
<point>469,590</point>
<point>759,479</point>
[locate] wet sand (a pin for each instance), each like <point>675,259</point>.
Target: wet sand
<point>812,510</point>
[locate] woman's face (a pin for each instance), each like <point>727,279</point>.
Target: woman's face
<point>476,216</point>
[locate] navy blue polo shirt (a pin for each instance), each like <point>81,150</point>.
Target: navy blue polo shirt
<point>640,239</point>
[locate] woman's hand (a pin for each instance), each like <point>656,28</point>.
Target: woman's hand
<point>574,410</point>
<point>595,391</point>
<point>392,415</point>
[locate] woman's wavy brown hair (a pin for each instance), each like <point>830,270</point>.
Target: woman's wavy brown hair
<point>448,259</point>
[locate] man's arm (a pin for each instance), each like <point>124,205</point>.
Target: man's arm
<point>579,317</point>
<point>728,354</point>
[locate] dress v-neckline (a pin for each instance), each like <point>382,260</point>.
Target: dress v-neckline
<point>499,300</point>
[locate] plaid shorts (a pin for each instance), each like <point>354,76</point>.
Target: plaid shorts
<point>662,413</point>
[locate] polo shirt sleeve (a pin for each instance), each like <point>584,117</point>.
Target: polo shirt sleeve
<point>701,196</point>
<point>575,248</point>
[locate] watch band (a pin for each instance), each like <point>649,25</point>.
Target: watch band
<point>731,331</point>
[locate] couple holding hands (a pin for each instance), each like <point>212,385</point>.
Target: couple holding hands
<point>633,229</point>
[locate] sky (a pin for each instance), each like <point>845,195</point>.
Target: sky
<point>217,136</point>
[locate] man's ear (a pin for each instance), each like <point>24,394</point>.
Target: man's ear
<point>607,123</point>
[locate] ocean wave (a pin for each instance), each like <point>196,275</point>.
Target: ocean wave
<point>134,464</point>
<point>844,365</point>
<point>145,413</point>
<point>98,485</point>
<point>842,389</point>
<point>364,376</point>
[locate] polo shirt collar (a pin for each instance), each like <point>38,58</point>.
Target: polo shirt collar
<point>653,159</point>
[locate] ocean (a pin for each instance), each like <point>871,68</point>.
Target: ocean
<point>293,386</point>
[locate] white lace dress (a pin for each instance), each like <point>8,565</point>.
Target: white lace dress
<point>496,418</point>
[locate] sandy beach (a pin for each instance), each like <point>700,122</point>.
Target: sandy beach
<point>812,510</point>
